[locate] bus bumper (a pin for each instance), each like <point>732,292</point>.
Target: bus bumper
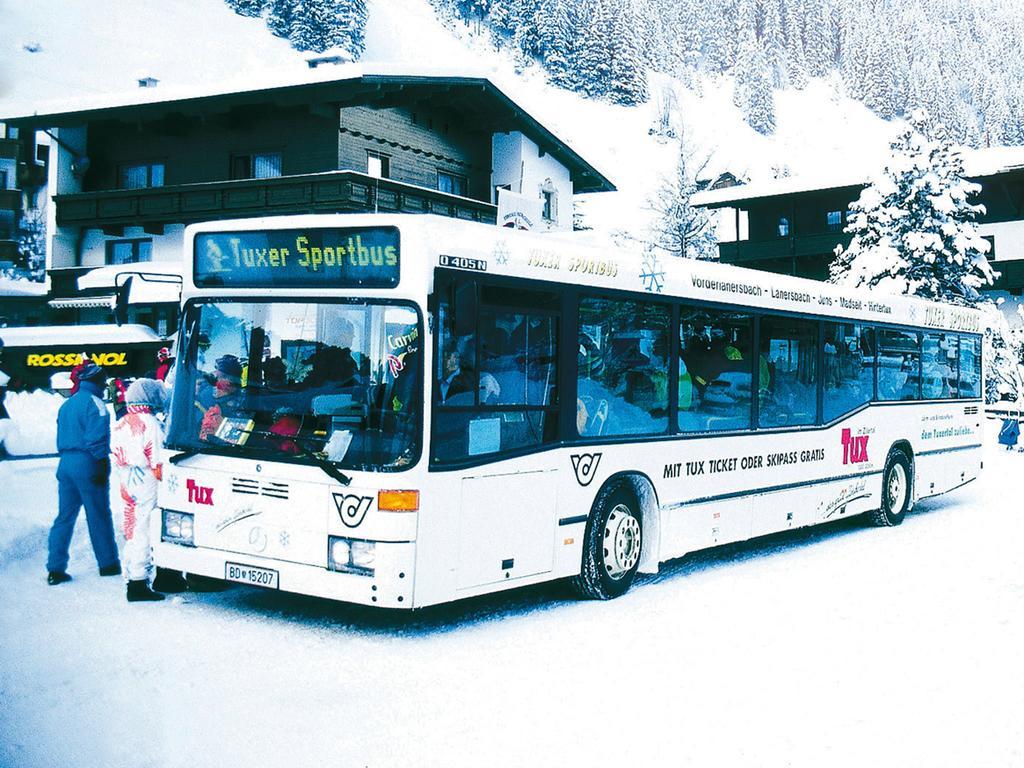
<point>390,585</point>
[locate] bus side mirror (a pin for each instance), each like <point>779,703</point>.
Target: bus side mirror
<point>465,306</point>
<point>124,289</point>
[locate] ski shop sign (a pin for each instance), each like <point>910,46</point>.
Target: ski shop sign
<point>64,360</point>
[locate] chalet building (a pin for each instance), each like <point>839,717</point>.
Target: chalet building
<point>792,226</point>
<point>125,179</point>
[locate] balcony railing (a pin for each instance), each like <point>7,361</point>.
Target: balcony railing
<point>314,193</point>
<point>817,244</point>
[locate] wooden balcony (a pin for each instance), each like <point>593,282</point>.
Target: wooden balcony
<point>329,192</point>
<point>748,252</point>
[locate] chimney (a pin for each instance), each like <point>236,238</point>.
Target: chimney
<point>148,82</point>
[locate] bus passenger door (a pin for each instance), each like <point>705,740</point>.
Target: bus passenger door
<point>505,527</point>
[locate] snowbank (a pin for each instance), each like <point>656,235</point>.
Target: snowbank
<point>32,427</point>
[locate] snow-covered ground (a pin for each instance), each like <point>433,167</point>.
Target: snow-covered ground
<point>839,646</point>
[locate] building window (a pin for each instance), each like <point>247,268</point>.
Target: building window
<point>140,176</point>
<point>783,226</point>
<point>549,202</point>
<point>257,165</point>
<point>3,179</point>
<point>378,165</point>
<point>129,251</point>
<point>991,255</point>
<point>834,220</point>
<point>452,183</point>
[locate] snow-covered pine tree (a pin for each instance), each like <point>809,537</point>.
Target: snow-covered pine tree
<point>314,25</point>
<point>818,43</point>
<point>592,65</point>
<point>557,43</point>
<point>796,59</point>
<point>32,244</point>
<point>913,226</point>
<point>774,42</point>
<point>680,228</point>
<point>247,7</point>
<point>279,16</point>
<point>351,26</point>
<point>753,88</point>
<point>627,74</point>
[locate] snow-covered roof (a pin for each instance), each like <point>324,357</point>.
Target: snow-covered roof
<point>12,287</point>
<point>977,163</point>
<point>70,335</point>
<point>335,80</point>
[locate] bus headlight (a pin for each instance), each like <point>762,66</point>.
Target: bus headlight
<point>362,554</point>
<point>178,528</point>
<point>350,555</point>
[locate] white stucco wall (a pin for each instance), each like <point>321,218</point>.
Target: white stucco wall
<point>166,247</point>
<point>1009,239</point>
<point>519,163</point>
<point>61,180</point>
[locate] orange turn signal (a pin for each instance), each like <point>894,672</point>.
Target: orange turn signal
<point>398,501</point>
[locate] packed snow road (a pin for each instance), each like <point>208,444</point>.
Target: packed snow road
<point>845,645</point>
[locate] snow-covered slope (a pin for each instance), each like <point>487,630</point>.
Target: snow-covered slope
<point>91,47</point>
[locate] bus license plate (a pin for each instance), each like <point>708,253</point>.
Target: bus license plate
<point>250,574</point>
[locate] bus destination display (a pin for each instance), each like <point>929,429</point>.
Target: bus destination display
<point>366,257</point>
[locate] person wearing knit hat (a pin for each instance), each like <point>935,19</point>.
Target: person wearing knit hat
<point>136,456</point>
<point>83,477</point>
<point>164,362</point>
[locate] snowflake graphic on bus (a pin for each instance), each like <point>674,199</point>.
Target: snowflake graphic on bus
<point>652,274</point>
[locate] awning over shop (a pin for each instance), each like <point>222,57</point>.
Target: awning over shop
<point>86,302</point>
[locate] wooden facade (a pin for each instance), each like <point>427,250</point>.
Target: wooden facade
<point>797,233</point>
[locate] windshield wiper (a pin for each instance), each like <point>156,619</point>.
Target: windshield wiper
<point>329,469</point>
<point>188,453</point>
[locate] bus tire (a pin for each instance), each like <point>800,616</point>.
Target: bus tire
<point>612,545</point>
<point>896,490</point>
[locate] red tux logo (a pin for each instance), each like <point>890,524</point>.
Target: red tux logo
<point>199,494</point>
<point>855,448</point>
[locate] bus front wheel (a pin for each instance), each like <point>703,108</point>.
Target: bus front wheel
<point>896,490</point>
<point>612,545</point>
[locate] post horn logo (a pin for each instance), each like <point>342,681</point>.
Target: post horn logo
<point>585,466</point>
<point>351,508</point>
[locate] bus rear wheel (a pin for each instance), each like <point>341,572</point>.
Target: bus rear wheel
<point>612,545</point>
<point>896,490</point>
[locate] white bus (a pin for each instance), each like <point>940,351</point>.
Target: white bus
<point>403,411</point>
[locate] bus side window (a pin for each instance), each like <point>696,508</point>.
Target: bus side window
<point>715,370</point>
<point>789,350</point>
<point>970,366</point>
<point>939,359</point>
<point>622,367</point>
<point>899,364</point>
<point>848,373</point>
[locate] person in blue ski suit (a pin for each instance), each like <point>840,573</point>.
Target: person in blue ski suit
<point>1009,432</point>
<point>83,476</point>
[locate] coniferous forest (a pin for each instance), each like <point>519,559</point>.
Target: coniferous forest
<point>960,60</point>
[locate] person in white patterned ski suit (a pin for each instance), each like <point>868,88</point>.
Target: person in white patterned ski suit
<point>136,445</point>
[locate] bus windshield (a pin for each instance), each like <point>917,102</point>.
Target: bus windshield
<point>300,380</point>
